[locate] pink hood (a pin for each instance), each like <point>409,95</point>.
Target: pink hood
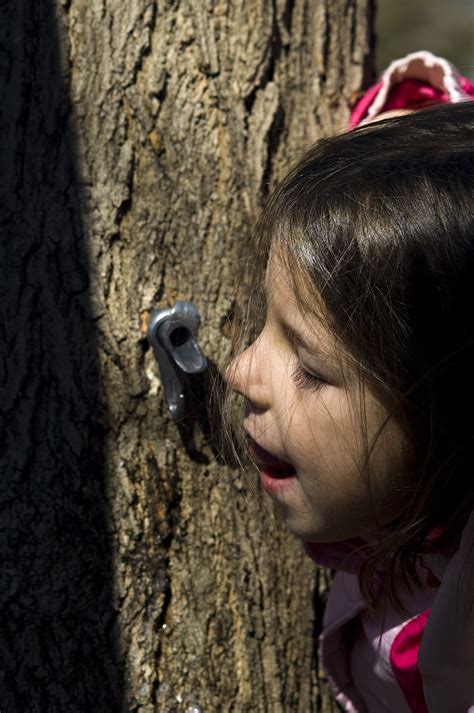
<point>416,80</point>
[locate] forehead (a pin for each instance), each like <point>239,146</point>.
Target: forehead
<point>301,313</point>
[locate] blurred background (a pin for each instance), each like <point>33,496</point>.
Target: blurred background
<point>445,27</point>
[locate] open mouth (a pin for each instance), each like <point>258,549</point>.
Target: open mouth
<point>269,464</point>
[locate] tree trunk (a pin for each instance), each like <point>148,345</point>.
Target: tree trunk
<point>137,139</point>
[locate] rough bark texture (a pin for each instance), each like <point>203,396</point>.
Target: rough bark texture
<point>137,140</point>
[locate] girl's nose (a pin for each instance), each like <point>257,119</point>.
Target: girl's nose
<point>244,376</point>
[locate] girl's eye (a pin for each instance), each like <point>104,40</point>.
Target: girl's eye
<point>305,380</point>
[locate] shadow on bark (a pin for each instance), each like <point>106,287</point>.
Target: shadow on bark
<point>202,424</point>
<point>57,642</point>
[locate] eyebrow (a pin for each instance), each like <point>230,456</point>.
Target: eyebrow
<point>297,338</point>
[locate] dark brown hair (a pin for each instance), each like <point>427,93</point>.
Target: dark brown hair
<point>377,225</point>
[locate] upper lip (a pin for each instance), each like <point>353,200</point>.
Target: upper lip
<point>264,457</point>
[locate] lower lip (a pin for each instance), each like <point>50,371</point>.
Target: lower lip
<point>272,485</point>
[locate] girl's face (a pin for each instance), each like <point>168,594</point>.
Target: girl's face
<point>304,418</point>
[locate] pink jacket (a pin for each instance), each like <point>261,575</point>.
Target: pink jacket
<point>422,662</point>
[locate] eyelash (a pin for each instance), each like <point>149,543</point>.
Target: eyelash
<point>305,380</point>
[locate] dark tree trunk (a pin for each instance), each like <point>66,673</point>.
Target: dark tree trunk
<point>137,140</point>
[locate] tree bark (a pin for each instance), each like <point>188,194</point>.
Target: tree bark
<point>138,139</point>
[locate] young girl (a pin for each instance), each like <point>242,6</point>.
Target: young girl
<point>359,393</point>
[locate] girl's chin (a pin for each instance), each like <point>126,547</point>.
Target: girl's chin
<point>311,531</point>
